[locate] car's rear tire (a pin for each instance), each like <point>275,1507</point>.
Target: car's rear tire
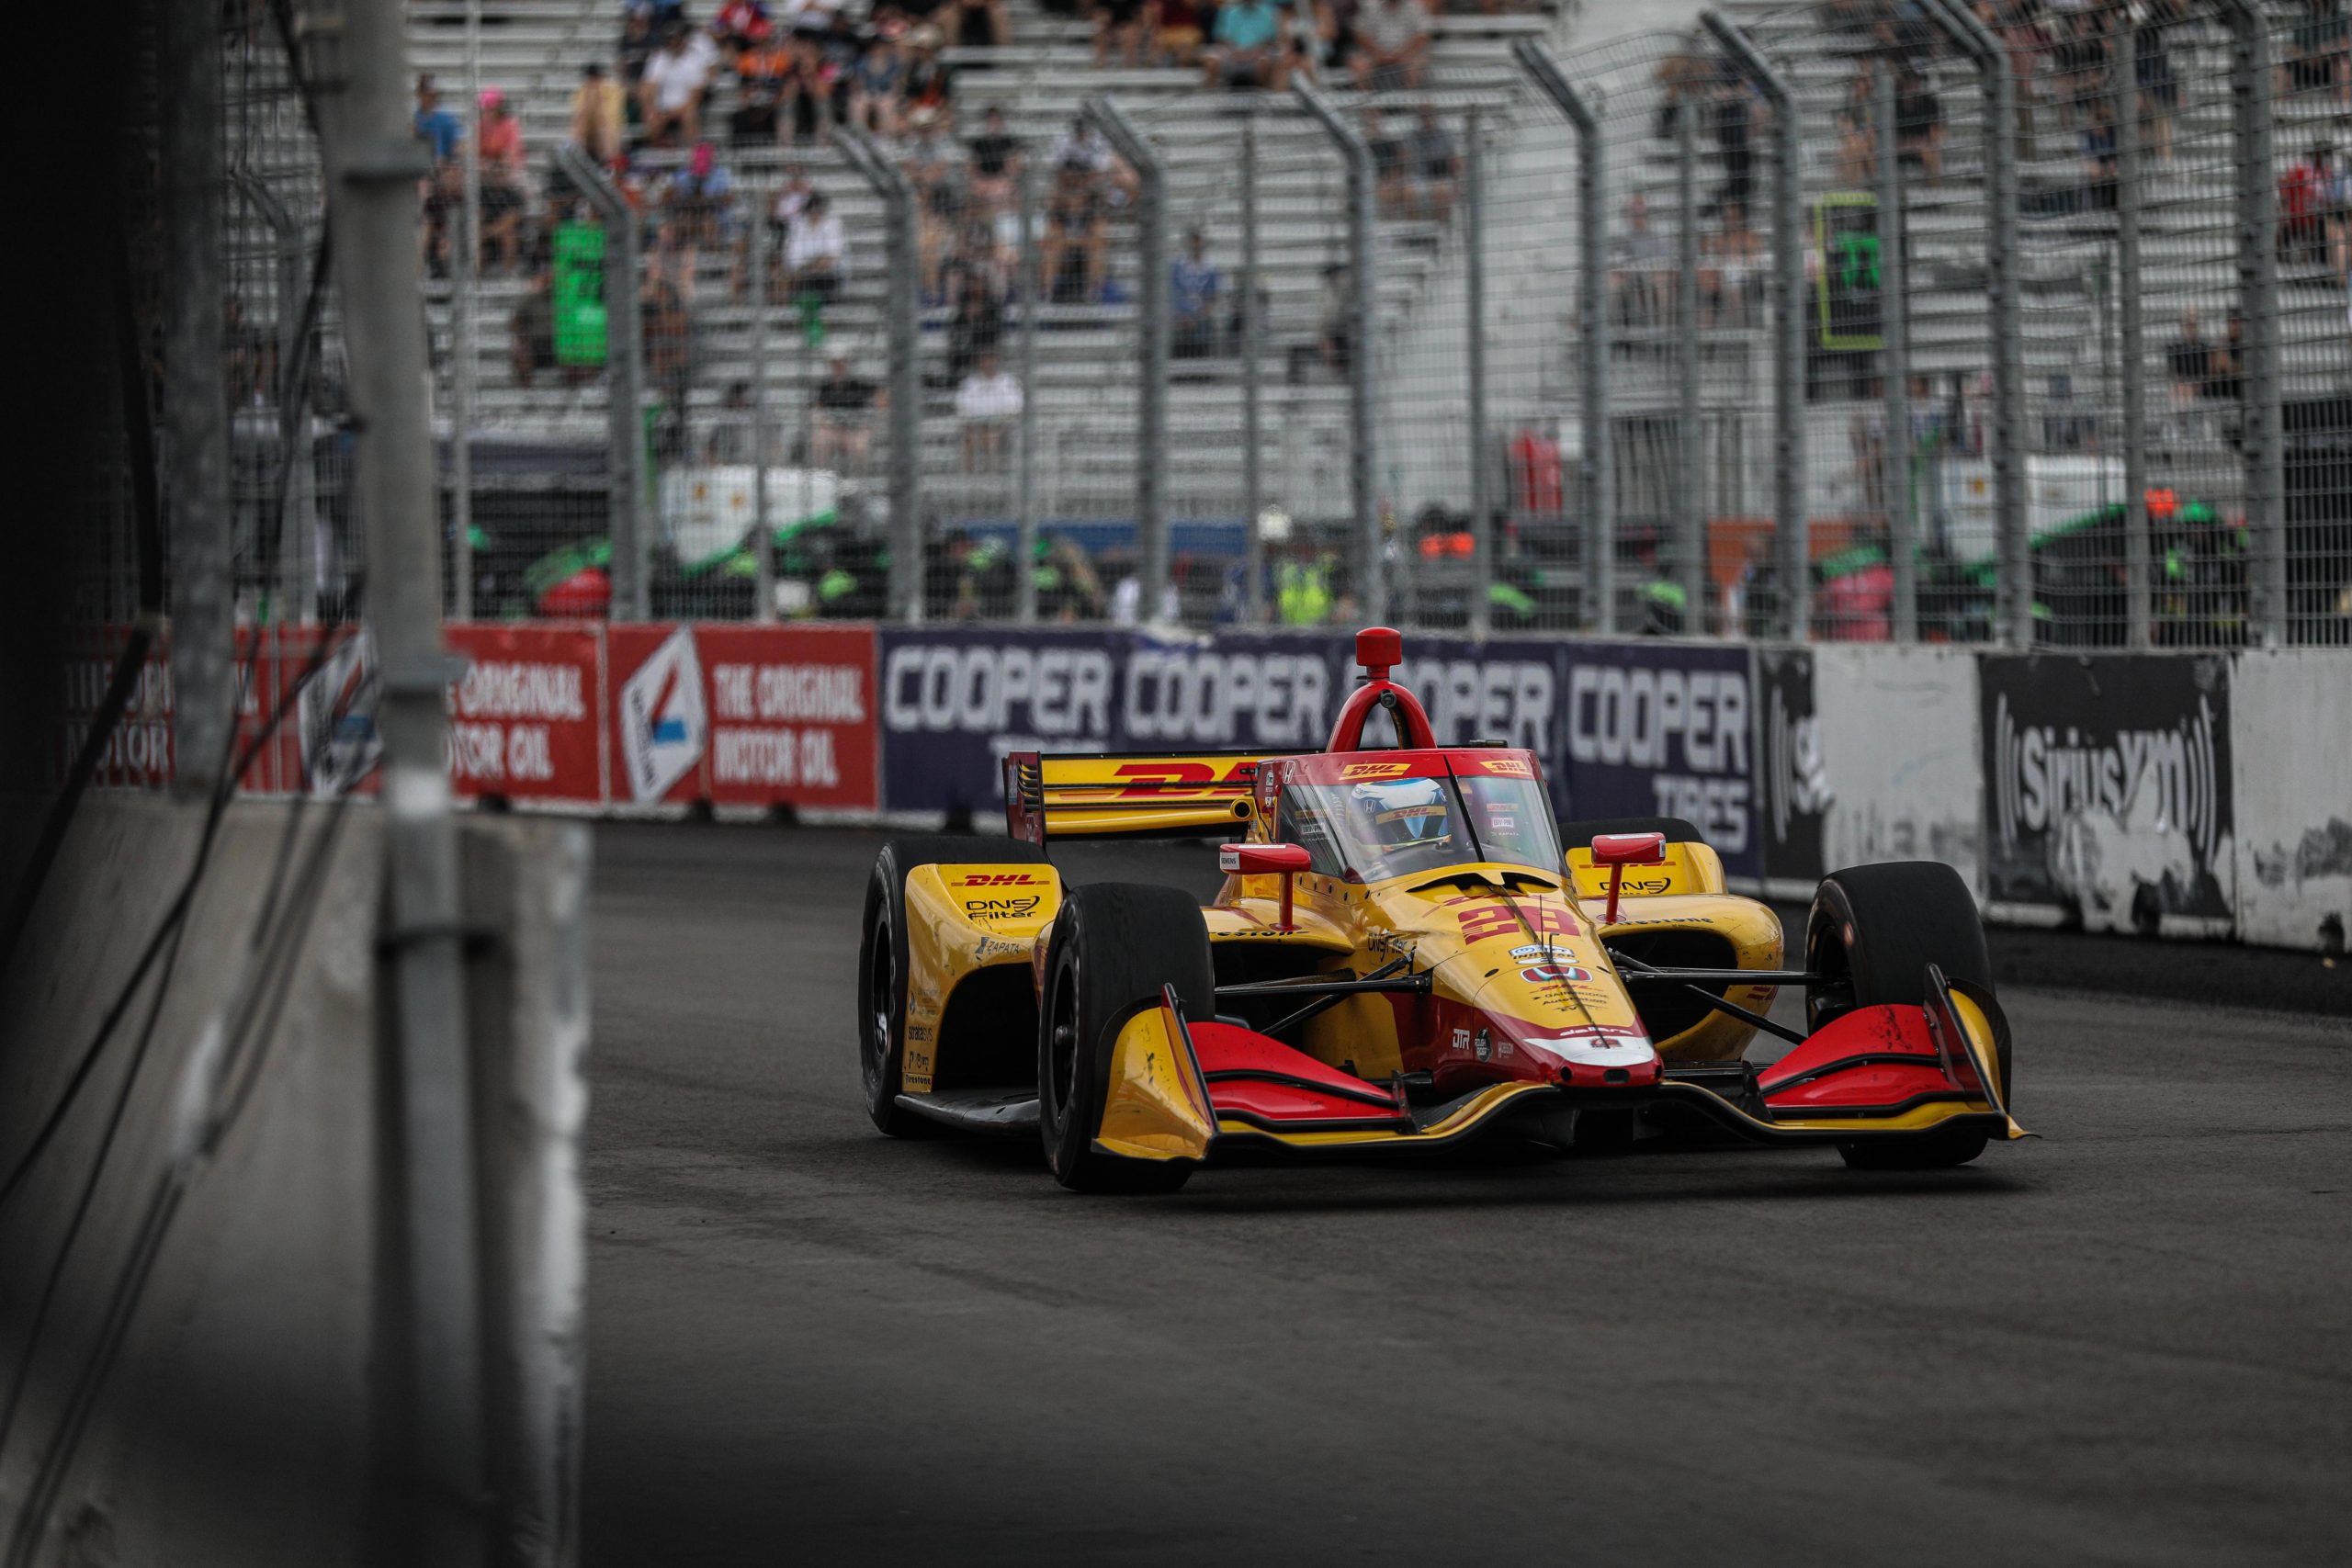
<point>882,963</point>
<point>1113,944</point>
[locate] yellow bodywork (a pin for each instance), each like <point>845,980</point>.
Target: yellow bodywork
<point>1156,1104</point>
<point>960,920</point>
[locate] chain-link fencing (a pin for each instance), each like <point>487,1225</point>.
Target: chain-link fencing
<point>1852,321</point>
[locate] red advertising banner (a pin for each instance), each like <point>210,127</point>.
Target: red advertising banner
<point>742,715</point>
<point>525,717</point>
<point>138,754</point>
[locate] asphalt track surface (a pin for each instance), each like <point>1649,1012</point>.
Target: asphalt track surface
<point>2125,1342</point>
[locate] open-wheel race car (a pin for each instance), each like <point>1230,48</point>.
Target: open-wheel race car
<point>1402,958</point>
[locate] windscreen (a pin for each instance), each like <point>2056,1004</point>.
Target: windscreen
<point>1386,827</point>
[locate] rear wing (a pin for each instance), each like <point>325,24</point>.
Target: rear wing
<point>1127,794</point>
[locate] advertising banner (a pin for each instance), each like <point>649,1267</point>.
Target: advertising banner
<point>2108,787</point>
<point>954,700</point>
<point>1792,774</point>
<point>740,716</point>
<point>1663,730</point>
<point>140,753</point>
<point>1901,778</point>
<point>524,717</point>
<point>790,711</point>
<point>1276,690</point>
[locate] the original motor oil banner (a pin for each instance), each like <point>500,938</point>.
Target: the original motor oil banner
<point>1664,729</point>
<point>740,716</point>
<point>2106,787</point>
<point>1792,772</point>
<point>525,720</point>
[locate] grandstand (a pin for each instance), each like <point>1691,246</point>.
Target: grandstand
<point>1085,391</point>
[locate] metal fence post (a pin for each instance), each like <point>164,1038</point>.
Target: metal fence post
<point>1473,262</point>
<point>196,405</point>
<point>1690,523</point>
<point>625,371</point>
<point>1032,296</point>
<point>282,543</point>
<point>2250,102</point>
<point>372,166</point>
<point>1592,311</point>
<point>1894,329</point>
<point>1152,323</point>
<point>461,338</point>
<point>2014,588</point>
<point>1372,581</point>
<point>2137,553</point>
<point>1793,549</point>
<point>1253,549</point>
<point>762,522</point>
<point>902,259</point>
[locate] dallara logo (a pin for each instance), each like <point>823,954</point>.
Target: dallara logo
<point>1374,769</point>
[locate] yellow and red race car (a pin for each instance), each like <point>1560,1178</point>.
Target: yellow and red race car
<point>1402,957</point>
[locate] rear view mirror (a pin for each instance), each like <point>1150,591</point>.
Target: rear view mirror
<point>1285,861</point>
<point>1618,850</point>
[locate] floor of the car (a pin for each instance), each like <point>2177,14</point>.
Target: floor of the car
<point>1005,1111</point>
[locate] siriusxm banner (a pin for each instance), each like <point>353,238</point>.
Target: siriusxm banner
<point>1663,730</point>
<point>1792,772</point>
<point>2108,787</point>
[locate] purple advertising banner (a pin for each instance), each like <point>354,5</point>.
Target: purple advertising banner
<point>954,700</point>
<point>1664,729</point>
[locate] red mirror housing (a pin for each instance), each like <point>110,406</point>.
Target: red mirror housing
<point>1285,861</point>
<point>1628,849</point>
<point>1618,850</point>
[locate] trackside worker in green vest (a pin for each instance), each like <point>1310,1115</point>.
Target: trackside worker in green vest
<point>1303,591</point>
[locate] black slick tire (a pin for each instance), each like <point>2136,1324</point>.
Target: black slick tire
<point>882,966</point>
<point>1115,944</point>
<point>1870,935</point>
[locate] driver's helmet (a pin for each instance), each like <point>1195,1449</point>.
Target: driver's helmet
<point>1397,814</point>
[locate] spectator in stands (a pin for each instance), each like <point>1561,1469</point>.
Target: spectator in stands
<point>1919,125</point>
<point>638,43</point>
<point>530,330</point>
<point>2319,53</point>
<point>1434,165</point>
<point>1392,46</point>
<point>503,169</point>
<point>1734,123</point>
<point>939,205</point>
<point>436,127</point>
<point>1193,288</point>
<point>777,94</point>
<point>987,404</point>
<point>1247,50</point>
<point>1387,164</point>
<point>841,435</point>
<point>996,162</point>
<point>2191,360</point>
<point>1122,22</point>
<point>816,251</point>
<point>873,87</point>
<point>1071,253</point>
<point>2303,190</point>
<point>1638,271</point>
<point>929,82</point>
<point>699,199</point>
<point>598,122</point>
<point>982,24</point>
<point>675,83</point>
<point>2153,77</point>
<point>668,331</point>
<point>1731,272</point>
<point>1183,28</point>
<point>740,24</point>
<point>1335,318</point>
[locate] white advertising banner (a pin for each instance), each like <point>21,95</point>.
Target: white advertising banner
<point>2291,712</point>
<point>1898,756</point>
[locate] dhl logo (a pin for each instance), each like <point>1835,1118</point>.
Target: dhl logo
<point>1374,769</point>
<point>1510,767</point>
<point>1169,779</point>
<point>1001,879</point>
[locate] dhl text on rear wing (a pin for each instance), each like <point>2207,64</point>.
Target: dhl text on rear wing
<point>1127,794</point>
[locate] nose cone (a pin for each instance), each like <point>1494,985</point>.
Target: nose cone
<point>1592,1056</point>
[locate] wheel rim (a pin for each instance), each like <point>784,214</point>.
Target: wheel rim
<point>881,983</point>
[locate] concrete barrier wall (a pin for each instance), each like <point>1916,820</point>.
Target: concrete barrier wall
<point>238,1422</point>
<point>2293,716</point>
